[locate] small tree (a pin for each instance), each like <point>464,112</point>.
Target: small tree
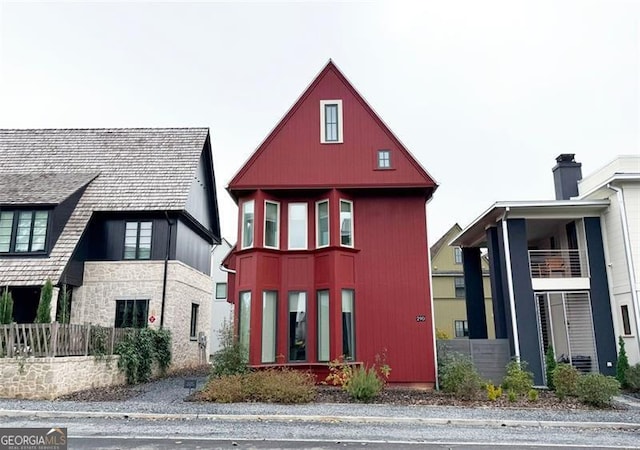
<point>44,307</point>
<point>231,359</point>
<point>550,360</point>
<point>622,365</point>
<point>64,310</point>
<point>6,307</point>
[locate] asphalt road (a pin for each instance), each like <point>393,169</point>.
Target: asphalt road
<point>101,433</point>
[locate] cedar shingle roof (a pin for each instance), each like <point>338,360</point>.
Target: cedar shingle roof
<point>138,169</point>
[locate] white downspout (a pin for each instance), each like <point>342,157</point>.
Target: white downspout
<point>224,269</point>
<point>628,256</point>
<point>433,317</point>
<point>512,300</point>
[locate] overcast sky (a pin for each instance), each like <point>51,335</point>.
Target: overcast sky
<point>485,94</point>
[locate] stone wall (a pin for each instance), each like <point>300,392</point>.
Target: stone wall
<point>49,378</point>
<point>108,281</point>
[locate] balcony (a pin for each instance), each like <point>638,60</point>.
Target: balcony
<point>558,264</point>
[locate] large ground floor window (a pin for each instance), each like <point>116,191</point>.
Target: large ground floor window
<point>348,325</point>
<point>244,319</point>
<point>297,326</point>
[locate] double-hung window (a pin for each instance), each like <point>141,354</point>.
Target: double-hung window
<point>23,231</point>
<point>297,226</point>
<point>458,284</point>
<point>461,328</point>
<point>322,223</point>
<point>346,223</point>
<point>137,240</point>
<point>457,255</point>
<point>247,224</point>
<point>331,121</point>
<point>271,224</point>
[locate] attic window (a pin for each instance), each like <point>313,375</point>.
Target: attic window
<point>331,121</point>
<point>384,159</point>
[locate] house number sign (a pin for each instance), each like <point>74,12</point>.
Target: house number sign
<point>421,318</point>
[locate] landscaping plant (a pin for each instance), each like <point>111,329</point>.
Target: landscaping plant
<point>565,380</point>
<point>65,303</point>
<point>623,363</point>
<point>597,390</point>
<point>533,395</point>
<point>139,349</point>
<point>550,363</point>
<point>493,393</point>
<point>6,307</point>
<point>459,376</point>
<point>518,379</point>
<point>632,377</point>
<point>363,383</point>
<point>43,314</point>
<point>231,359</point>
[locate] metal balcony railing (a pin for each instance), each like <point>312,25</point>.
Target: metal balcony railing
<point>558,264</point>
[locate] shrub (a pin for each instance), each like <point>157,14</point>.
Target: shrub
<point>6,307</point>
<point>459,376</point>
<point>139,349</point>
<point>622,364</point>
<point>271,386</point>
<point>493,393</point>
<point>231,359</point>
<point>632,378</point>
<point>565,380</point>
<point>442,335</point>
<point>597,390</point>
<point>533,395</point>
<point>550,363</point>
<point>512,396</point>
<point>365,384</point>
<point>43,315</point>
<point>518,379</point>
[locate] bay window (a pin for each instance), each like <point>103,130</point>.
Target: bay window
<point>322,223</point>
<point>247,224</point>
<point>244,321</point>
<point>297,326</point>
<point>269,313</point>
<point>346,223</point>
<point>271,224</point>
<point>323,325</point>
<point>297,226</point>
<point>348,325</point>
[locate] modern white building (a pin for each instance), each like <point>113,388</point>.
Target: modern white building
<point>221,310</point>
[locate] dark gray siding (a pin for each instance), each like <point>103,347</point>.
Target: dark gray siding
<point>476,314</point>
<point>192,249</point>
<point>496,263</point>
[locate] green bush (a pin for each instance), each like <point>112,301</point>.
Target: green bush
<point>517,378</point>
<point>533,395</point>
<point>365,384</point>
<point>597,390</point>
<point>6,307</point>
<point>493,393</point>
<point>231,359</point>
<point>632,378</point>
<point>512,396</point>
<point>162,349</point>
<point>271,386</point>
<point>565,380</point>
<point>459,376</point>
<point>622,364</point>
<point>550,363</point>
<point>43,315</point>
<point>139,349</point>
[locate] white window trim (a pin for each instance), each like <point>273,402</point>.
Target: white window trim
<point>306,227</point>
<point>264,231</point>
<point>322,121</point>
<point>388,159</point>
<point>353,238</point>
<point>326,200</point>
<point>253,230</point>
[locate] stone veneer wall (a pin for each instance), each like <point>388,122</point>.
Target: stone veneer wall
<point>48,378</point>
<point>108,281</point>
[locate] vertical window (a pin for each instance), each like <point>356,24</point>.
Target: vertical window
<point>461,328</point>
<point>269,302</point>
<point>346,223</point>
<point>6,226</point>
<point>244,320</point>
<point>626,323</point>
<point>323,325</point>
<point>137,240</point>
<point>331,121</point>
<point>458,283</point>
<point>247,224</point>
<point>384,159</point>
<point>348,325</point>
<point>271,224</point>
<point>297,326</point>
<point>193,333</point>
<point>457,255</point>
<point>297,226</point>
<point>131,313</point>
<point>322,223</point>
<point>221,290</point>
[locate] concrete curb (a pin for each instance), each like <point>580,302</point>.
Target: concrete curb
<point>319,419</point>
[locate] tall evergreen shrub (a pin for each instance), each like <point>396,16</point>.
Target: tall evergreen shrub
<point>44,307</point>
<point>6,307</point>
<point>623,364</point>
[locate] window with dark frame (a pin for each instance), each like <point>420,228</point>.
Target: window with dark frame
<point>348,325</point>
<point>193,333</point>
<point>221,290</point>
<point>23,231</point>
<point>457,255</point>
<point>384,159</point>
<point>297,326</point>
<point>626,323</point>
<point>131,313</point>
<point>461,328</point>
<point>458,284</point>
<point>137,240</point>
<point>331,123</point>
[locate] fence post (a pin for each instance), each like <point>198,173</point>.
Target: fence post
<point>113,340</point>
<point>87,339</point>
<point>11,343</point>
<point>54,339</point>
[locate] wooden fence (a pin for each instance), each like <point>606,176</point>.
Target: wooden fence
<point>55,339</point>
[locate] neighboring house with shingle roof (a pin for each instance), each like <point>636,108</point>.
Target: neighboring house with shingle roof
<point>124,217</point>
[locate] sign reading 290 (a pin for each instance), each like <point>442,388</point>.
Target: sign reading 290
<point>421,318</point>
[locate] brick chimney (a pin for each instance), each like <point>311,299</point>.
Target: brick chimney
<point>566,174</point>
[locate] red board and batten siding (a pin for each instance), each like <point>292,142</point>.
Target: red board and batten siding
<point>387,268</point>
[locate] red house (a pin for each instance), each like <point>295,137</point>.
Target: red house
<point>331,257</point>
